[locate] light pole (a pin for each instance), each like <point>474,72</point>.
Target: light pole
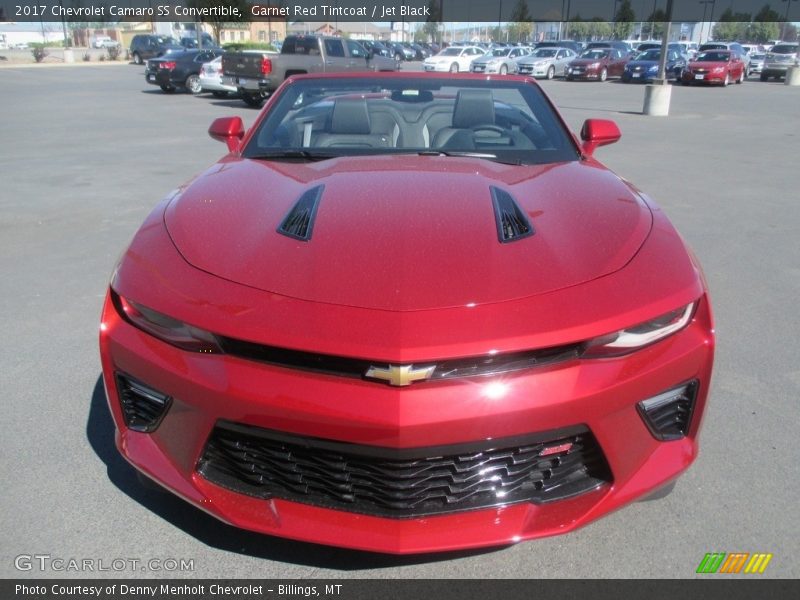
<point>705,4</point>
<point>786,18</point>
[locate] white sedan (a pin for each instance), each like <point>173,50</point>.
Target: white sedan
<point>453,59</point>
<point>211,79</point>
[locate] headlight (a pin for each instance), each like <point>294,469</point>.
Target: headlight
<point>166,328</point>
<point>653,69</point>
<point>717,69</point>
<point>594,65</point>
<point>639,336</point>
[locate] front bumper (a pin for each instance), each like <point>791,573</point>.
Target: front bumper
<point>436,67</point>
<point>213,84</point>
<point>601,395</point>
<point>709,77</point>
<point>776,70</point>
<point>584,74</point>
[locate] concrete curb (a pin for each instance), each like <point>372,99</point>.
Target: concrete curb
<point>46,65</point>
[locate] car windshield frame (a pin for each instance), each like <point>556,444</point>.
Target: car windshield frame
<point>650,55</point>
<point>551,52</point>
<point>596,53</point>
<point>527,128</point>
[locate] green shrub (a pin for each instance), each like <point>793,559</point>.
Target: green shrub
<point>39,52</point>
<point>114,52</point>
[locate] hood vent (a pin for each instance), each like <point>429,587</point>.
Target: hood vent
<point>299,221</point>
<point>512,222</point>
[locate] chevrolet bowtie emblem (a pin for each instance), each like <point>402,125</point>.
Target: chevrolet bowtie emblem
<point>400,374</point>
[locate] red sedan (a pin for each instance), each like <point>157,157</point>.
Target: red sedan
<point>408,313</point>
<point>598,64</point>
<point>715,66</point>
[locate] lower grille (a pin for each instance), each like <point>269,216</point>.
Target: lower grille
<point>403,482</point>
<point>142,406</point>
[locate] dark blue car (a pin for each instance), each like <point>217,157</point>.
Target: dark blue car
<point>645,66</point>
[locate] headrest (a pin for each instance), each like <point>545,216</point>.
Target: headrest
<point>473,107</point>
<point>350,116</point>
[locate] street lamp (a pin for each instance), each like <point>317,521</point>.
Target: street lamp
<point>786,18</point>
<point>705,4</point>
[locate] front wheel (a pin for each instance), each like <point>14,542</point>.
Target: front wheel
<point>727,81</point>
<point>741,78</point>
<point>763,77</point>
<point>604,74</point>
<point>192,84</point>
<point>454,68</point>
<point>551,72</point>
<point>504,70</point>
<point>137,60</point>
<point>167,89</point>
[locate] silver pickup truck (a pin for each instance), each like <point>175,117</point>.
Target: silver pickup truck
<point>256,74</point>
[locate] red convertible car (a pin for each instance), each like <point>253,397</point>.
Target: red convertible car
<point>408,313</point>
<point>715,66</point>
<point>598,64</point>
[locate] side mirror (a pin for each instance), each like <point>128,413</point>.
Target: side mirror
<point>598,132</point>
<point>229,130</point>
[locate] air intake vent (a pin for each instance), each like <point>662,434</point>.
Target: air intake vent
<point>299,221</point>
<point>512,223</point>
<point>142,406</point>
<point>398,483</point>
<point>669,414</point>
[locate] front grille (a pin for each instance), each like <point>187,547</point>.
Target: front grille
<point>142,407</point>
<point>525,69</point>
<point>401,483</point>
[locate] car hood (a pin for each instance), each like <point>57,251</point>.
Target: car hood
<point>407,233</point>
<point>645,64</point>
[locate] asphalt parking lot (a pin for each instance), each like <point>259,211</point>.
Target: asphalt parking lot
<point>88,150</point>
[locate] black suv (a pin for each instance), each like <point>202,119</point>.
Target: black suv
<point>144,46</point>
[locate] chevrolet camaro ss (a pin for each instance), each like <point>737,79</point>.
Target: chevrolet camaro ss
<point>408,313</point>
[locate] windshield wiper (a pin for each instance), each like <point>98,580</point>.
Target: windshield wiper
<point>467,154</point>
<point>293,155</point>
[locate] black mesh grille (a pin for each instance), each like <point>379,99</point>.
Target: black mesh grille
<point>403,483</point>
<point>142,406</point>
<point>668,415</point>
<point>512,222</point>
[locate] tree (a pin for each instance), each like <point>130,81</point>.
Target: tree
<point>657,20</point>
<point>761,33</point>
<point>218,23</point>
<point>767,15</point>
<point>730,30</point>
<point>520,27</point>
<point>623,20</point>
<point>431,26</point>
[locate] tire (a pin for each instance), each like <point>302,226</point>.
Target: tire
<point>398,57</point>
<point>660,493</point>
<point>504,70</point>
<point>148,483</point>
<point>741,78</point>
<point>137,60</point>
<point>454,68</point>
<point>192,84</point>
<point>604,74</point>
<point>551,72</point>
<point>167,89</point>
<point>727,80</point>
<point>219,94</point>
<point>254,101</point>
<point>763,77</point>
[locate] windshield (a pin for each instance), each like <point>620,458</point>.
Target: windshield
<point>315,119</point>
<point>595,54</point>
<point>450,52</point>
<point>545,53</point>
<point>497,52</point>
<point>713,57</point>
<point>650,55</point>
<point>784,49</point>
